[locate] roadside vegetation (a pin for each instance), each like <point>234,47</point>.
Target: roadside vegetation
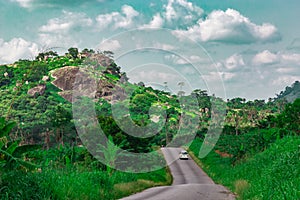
<point>43,157</point>
<point>263,162</point>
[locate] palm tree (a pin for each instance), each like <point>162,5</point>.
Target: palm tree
<point>181,84</point>
<point>180,93</point>
<point>165,85</point>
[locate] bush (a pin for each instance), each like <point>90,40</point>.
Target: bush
<point>271,174</point>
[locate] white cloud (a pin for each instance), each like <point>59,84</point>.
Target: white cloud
<point>230,26</point>
<point>265,57</point>
<point>152,76</point>
<point>294,58</point>
<point>227,75</point>
<point>23,3</point>
<point>106,19</point>
<point>166,47</point>
<point>65,23</point>
<point>57,31</point>
<point>181,12</point>
<point>218,76</point>
<point>170,12</point>
<point>124,19</point>
<point>285,80</point>
<point>286,70</point>
<point>109,45</point>
<point>61,41</point>
<point>184,61</point>
<point>157,22</point>
<point>15,49</point>
<point>234,61</point>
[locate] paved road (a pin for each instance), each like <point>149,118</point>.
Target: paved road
<point>189,183</point>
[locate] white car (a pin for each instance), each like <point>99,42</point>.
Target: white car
<point>183,155</point>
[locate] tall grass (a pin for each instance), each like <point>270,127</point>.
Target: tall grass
<point>271,174</point>
<point>71,173</point>
<point>74,184</point>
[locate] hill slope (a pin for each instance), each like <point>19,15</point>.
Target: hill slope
<point>290,93</point>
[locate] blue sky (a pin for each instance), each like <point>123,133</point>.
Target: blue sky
<point>231,48</point>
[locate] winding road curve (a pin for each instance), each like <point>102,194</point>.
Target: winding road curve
<point>189,183</point>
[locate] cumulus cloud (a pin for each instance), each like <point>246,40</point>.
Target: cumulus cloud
<point>218,76</point>
<point>265,57</point>
<point>65,23</point>
<point>181,12</point>
<point>110,45</point>
<point>175,8</point>
<point>59,41</point>
<point>123,19</point>
<point>57,31</point>
<point>285,80</point>
<point>230,27</point>
<point>268,58</point>
<point>234,62</point>
<point>294,58</point>
<point>157,22</point>
<point>15,49</point>
<point>230,68</point>
<point>184,61</point>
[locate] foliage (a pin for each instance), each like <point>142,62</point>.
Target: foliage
<point>290,93</point>
<point>73,178</point>
<point>10,151</point>
<point>289,119</point>
<point>252,131</point>
<point>272,174</point>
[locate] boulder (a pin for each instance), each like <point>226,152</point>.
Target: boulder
<point>45,78</point>
<point>80,82</point>
<point>40,89</point>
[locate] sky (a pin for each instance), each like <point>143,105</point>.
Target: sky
<point>231,48</point>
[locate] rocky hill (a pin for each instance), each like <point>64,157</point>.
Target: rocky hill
<point>291,93</point>
<point>38,95</point>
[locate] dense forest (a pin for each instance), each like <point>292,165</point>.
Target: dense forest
<point>40,143</point>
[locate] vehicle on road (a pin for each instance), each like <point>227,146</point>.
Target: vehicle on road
<point>183,155</point>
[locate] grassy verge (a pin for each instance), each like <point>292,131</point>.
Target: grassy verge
<point>144,181</point>
<point>271,174</point>
<point>74,184</point>
<point>68,173</point>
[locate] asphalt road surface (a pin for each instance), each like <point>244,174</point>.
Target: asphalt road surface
<point>189,182</point>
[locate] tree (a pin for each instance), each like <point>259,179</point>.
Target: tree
<point>290,117</point>
<point>60,118</point>
<point>10,150</point>
<point>73,52</point>
<point>88,51</point>
<point>166,86</point>
<point>109,54</point>
<point>180,93</point>
<point>180,84</point>
<point>141,84</point>
<point>236,116</point>
<point>202,97</point>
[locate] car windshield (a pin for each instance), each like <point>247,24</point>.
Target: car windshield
<point>184,152</point>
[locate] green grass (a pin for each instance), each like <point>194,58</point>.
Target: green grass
<point>72,173</point>
<point>271,174</point>
<point>74,184</point>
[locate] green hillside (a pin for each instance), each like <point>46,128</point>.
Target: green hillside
<point>40,140</point>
